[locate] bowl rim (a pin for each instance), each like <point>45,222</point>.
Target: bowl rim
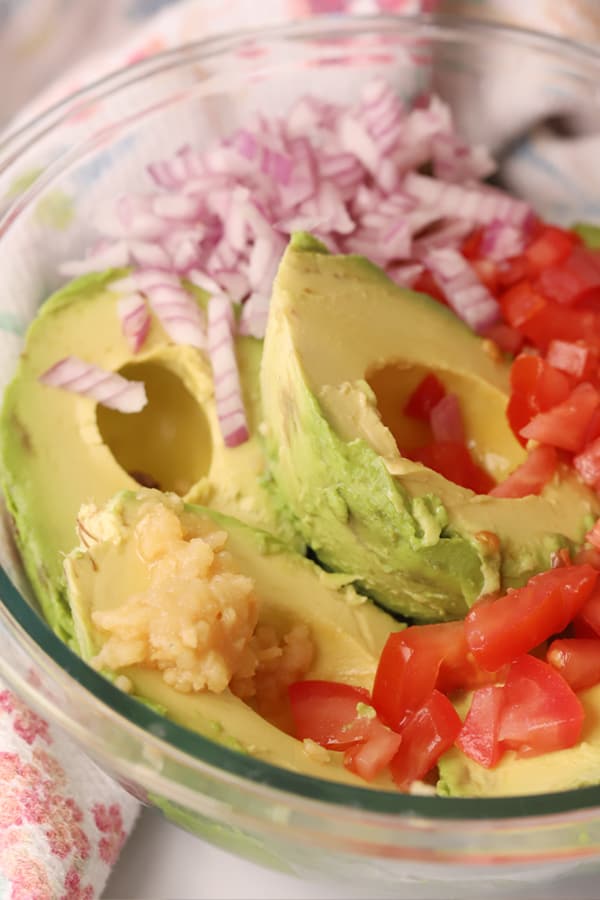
<point>25,624</point>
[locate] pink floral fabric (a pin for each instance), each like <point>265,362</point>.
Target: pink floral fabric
<point>62,821</point>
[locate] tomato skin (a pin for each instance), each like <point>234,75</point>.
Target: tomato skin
<point>501,630</point>
<point>508,339</point>
<point>577,660</point>
<point>574,280</point>
<point>589,614</point>
<point>551,247</point>
<point>429,732</point>
<point>369,758</point>
<point>554,321</point>
<point>511,271</point>
<point>573,358</point>
<point>478,737</point>
<point>406,675</point>
<point>566,425</point>
<point>535,387</point>
<point>454,461</point>
<point>425,398</point>
<point>540,713</point>
<point>587,463</point>
<point>530,477</point>
<point>426,284</point>
<point>325,712</point>
<point>521,303</point>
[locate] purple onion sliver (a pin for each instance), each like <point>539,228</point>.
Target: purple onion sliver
<point>108,388</point>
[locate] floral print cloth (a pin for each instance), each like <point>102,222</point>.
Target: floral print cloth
<point>62,821</point>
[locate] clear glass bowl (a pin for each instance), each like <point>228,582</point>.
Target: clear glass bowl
<point>51,175</point>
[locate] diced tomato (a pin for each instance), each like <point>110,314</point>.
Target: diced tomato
<point>535,387</point>
<point>589,614</point>
<point>508,339</point>
<point>419,659</point>
<point>471,246</point>
<point>521,303</point>
<point>511,271</point>
<point>587,463</point>
<point>429,732</point>
<point>446,420</point>
<point>326,712</point>
<point>530,477</point>
<point>487,272</point>
<point>454,462</point>
<point>565,425</point>
<point>577,660</point>
<point>503,629</point>
<point>406,675</point>
<point>425,397</point>
<point>371,757</point>
<point>575,279</point>
<point>426,284</point>
<point>550,248</point>
<point>575,358</point>
<point>540,713</point>
<point>560,322</point>
<point>478,738</point>
<point>593,430</point>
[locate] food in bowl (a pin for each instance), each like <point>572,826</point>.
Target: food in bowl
<point>445,627</point>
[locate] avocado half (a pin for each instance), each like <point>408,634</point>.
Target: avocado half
<point>344,349</point>
<point>347,632</point>
<point>59,450</point>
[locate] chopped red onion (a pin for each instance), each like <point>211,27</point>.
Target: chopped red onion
<point>501,241</point>
<point>348,173</point>
<point>178,313</point>
<point>221,350</point>
<point>467,296</point>
<point>107,388</point>
<point>135,320</point>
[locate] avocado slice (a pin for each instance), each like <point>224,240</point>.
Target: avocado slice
<point>344,349</point>
<point>347,632</point>
<point>58,450</point>
<point>563,770</point>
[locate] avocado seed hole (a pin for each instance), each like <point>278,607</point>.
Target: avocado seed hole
<point>167,444</point>
<point>489,438</point>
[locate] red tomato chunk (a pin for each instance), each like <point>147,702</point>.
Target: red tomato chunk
<point>428,733</point>
<point>500,630</point>
<point>577,660</point>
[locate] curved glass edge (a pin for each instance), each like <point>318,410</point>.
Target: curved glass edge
<point>135,714</point>
<point>210,753</point>
<point>316,27</point>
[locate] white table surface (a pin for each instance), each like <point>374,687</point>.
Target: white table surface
<point>161,862</point>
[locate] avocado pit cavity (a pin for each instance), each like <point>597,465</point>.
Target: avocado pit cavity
<point>488,437</point>
<point>153,445</point>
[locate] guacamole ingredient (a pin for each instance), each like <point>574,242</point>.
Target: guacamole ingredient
<point>531,477</point>
<point>108,388</point>
<point>499,630</point>
<point>577,660</point>
<point>221,351</point>
<point>411,538</point>
<point>458,281</point>
<point>195,619</point>
<point>131,542</point>
<point>427,734</point>
<point>135,320</point>
<point>339,717</point>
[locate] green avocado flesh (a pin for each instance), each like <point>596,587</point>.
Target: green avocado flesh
<point>347,631</point>
<point>344,349</point>
<point>59,450</point>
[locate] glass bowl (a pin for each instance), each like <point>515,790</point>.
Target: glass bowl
<point>52,173</point>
